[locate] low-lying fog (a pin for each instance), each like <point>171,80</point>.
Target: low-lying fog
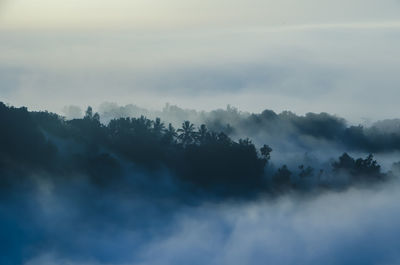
<point>357,226</point>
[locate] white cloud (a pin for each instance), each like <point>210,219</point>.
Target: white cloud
<point>359,226</point>
<point>337,68</point>
<point>179,13</point>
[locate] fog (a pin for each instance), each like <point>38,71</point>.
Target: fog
<point>313,139</point>
<point>78,192</point>
<point>357,226</point>
<point>302,68</point>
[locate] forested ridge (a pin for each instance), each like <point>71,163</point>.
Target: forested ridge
<point>311,131</point>
<point>200,159</point>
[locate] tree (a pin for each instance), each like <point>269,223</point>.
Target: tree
<point>225,140</point>
<point>282,177</point>
<point>89,113</point>
<point>368,166</point>
<point>170,134</point>
<point>96,117</point>
<point>90,116</point>
<point>345,162</point>
<point>306,172</point>
<point>186,135</point>
<point>158,127</point>
<point>359,169</point>
<point>245,142</point>
<point>142,125</point>
<point>266,152</point>
<point>201,135</point>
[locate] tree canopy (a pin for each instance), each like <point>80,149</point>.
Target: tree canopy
<point>204,159</point>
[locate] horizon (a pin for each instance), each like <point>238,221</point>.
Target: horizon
<point>308,56</point>
<point>363,121</point>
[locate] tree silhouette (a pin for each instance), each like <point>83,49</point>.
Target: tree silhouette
<point>170,134</point>
<point>360,169</point>
<point>89,113</point>
<point>186,133</point>
<point>202,133</point>
<point>266,152</point>
<point>158,127</point>
<point>96,117</point>
<point>282,177</point>
<point>207,160</point>
<point>306,172</point>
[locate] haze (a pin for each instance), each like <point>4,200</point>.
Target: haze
<point>334,56</point>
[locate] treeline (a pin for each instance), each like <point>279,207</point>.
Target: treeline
<point>198,158</point>
<point>308,132</point>
<point>305,131</point>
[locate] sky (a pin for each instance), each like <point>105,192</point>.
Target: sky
<point>305,56</point>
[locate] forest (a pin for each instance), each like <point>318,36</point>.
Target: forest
<point>196,159</point>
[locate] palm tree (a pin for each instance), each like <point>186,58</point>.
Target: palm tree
<point>158,127</point>
<point>170,134</point>
<point>186,133</point>
<point>142,124</point>
<point>202,133</point>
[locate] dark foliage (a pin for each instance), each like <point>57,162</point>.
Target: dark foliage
<point>201,159</point>
<point>359,169</point>
<point>22,143</point>
<point>282,178</point>
<point>382,136</point>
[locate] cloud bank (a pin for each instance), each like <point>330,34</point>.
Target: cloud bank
<point>354,227</point>
<point>303,69</point>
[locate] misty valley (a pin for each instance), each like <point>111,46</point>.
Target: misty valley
<point>108,190</point>
<point>213,132</point>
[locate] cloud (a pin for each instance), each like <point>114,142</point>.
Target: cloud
<point>311,139</point>
<point>300,68</point>
<point>359,226</point>
<point>185,14</point>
